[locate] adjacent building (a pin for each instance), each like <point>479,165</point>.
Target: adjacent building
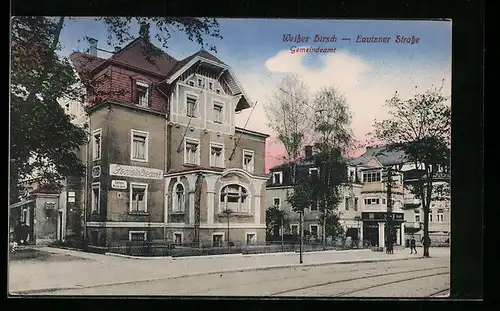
<point>363,210</point>
<point>165,158</point>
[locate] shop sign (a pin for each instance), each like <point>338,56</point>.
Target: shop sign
<point>135,171</point>
<point>119,184</point>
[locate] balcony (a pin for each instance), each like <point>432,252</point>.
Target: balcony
<point>411,203</point>
<point>416,225</point>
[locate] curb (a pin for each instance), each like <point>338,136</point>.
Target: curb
<point>35,291</point>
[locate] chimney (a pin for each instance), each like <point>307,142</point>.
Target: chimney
<point>93,46</point>
<point>308,151</point>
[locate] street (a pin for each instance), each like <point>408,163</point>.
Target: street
<point>413,277</point>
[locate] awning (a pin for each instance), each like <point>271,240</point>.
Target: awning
<point>21,203</point>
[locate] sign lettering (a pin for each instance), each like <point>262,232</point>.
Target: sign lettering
<point>118,184</point>
<point>135,171</point>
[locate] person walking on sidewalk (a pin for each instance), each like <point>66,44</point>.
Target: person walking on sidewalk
<point>413,245</point>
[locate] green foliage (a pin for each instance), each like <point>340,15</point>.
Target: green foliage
<point>421,128</point>
<point>275,218</point>
<point>43,139</point>
<point>301,197</point>
<point>333,226</point>
<point>197,29</point>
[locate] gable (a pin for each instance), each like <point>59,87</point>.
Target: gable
<point>372,163</point>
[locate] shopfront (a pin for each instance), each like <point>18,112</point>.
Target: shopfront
<point>375,229</point>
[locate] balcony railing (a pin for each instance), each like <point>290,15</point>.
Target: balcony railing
<point>414,225</point>
<point>411,202</point>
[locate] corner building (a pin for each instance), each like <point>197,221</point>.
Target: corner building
<point>165,158</point>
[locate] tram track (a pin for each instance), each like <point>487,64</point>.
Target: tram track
<point>288,291</point>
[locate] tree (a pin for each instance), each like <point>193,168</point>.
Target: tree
<point>421,128</point>
<point>275,219</point>
<point>43,139</point>
<point>288,114</point>
<point>333,139</point>
<point>333,227</point>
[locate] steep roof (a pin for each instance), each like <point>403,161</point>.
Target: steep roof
<point>384,156</point>
<point>135,54</point>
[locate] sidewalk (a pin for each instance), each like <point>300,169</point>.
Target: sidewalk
<point>99,270</point>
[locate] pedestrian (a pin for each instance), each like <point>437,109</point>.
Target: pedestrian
<point>413,245</point>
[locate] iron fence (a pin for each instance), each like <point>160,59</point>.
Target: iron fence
<point>157,248</point>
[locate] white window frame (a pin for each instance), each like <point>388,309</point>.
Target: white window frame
<point>218,91</point>
<point>221,105</point>
<point>93,202</point>
<point>222,156</point>
<point>96,156</point>
<point>246,167</point>
<point>294,225</point>
<point>182,237</point>
<point>280,181</point>
<point>198,153</point>
<point>211,85</point>
<point>138,185</point>
<point>440,216</point>
<point>196,104</point>
<point>347,203</point>
<point>132,232</point>
<point>133,133</point>
<point>191,83</point>
<point>364,201</point>
<point>145,85</point>
<point>317,229</point>
<point>25,216</point>
<point>312,169</point>
<point>356,204</point>
<point>175,202</point>
<point>199,82</point>
<point>254,240</point>
<point>430,216</point>
<point>223,237</point>
<point>223,204</point>
<point>372,172</point>
<point>279,204</point>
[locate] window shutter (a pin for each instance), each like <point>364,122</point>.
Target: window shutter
<point>134,97</point>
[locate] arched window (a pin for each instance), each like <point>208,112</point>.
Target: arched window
<point>234,197</point>
<point>178,198</point>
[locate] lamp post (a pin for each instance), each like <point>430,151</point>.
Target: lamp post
<point>300,237</point>
<point>227,212</point>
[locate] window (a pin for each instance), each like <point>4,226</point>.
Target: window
<point>314,205</point>
<point>178,238</point>
<point>277,202</point>
<point>430,217</point>
<point>25,217</point>
<point>96,144</point>
<point>440,215</point>
<point>190,106</point>
<point>218,113</point>
<point>191,153</point>
<point>277,177</point>
<point>96,196</point>
<point>314,172</point>
<point>179,198</point>
<point>352,176</point>
<point>251,238</point>
<point>248,161</point>
<point>294,229</point>
<point>383,201</point>
<point>355,203</point>
<point>139,146</point>
<point>371,176</point>
<point>216,155</point>
<point>234,197</point>
<point>138,197</point>
<point>314,230</point>
<point>372,201</point>
<point>217,239</point>
<point>217,91</point>
<point>417,215</point>
<point>142,94</point>
<point>347,203</point>
<point>137,235</point>
<point>200,82</point>
<point>210,86</point>
<point>191,83</point>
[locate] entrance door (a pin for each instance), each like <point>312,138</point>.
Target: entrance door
<point>370,233</point>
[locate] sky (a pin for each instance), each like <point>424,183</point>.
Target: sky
<point>367,74</point>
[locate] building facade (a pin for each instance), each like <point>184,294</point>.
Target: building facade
<point>165,157</point>
<point>362,213</point>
